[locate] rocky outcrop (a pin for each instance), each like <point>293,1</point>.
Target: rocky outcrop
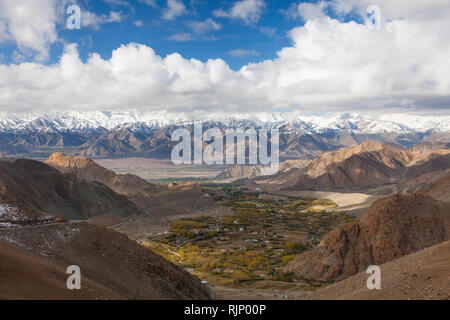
<point>395,226</point>
<point>240,172</point>
<point>236,172</point>
<point>86,169</point>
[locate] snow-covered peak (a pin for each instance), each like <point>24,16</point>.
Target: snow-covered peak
<point>74,120</point>
<point>351,122</point>
<point>109,120</point>
<point>420,123</point>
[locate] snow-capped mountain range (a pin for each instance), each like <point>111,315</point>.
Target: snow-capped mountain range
<point>105,120</point>
<point>104,134</point>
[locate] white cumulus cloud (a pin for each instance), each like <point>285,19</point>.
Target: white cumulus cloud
<point>151,3</point>
<point>330,66</point>
<point>241,53</point>
<point>200,27</point>
<point>248,11</point>
<point>30,24</point>
<point>308,11</point>
<point>90,19</point>
<point>175,8</point>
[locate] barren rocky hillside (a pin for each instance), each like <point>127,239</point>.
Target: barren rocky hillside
<point>35,202</point>
<point>33,185</point>
<point>159,203</point>
<point>429,146</point>
<point>369,165</point>
<point>439,190</point>
<point>86,169</point>
<point>112,266</point>
<point>237,172</point>
<point>394,226</point>
<point>423,275</point>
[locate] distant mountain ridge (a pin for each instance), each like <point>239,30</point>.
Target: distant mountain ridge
<point>367,166</point>
<point>104,134</point>
<point>105,120</point>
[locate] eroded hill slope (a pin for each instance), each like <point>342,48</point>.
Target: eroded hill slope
<point>394,226</point>
<point>112,266</point>
<point>33,185</point>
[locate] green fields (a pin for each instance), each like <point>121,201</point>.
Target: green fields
<point>263,235</point>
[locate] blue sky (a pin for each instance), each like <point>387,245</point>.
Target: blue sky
<point>235,40</point>
<point>226,57</point>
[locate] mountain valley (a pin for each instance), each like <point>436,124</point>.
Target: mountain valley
<point>308,232</point>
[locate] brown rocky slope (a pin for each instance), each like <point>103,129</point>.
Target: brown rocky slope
<point>169,200</point>
<point>393,227</point>
<point>112,266</point>
<point>33,185</point>
<point>86,169</point>
<point>369,165</point>
<point>25,275</point>
<point>32,197</point>
<point>424,275</point>
<point>161,204</point>
<point>439,190</point>
<point>158,200</point>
